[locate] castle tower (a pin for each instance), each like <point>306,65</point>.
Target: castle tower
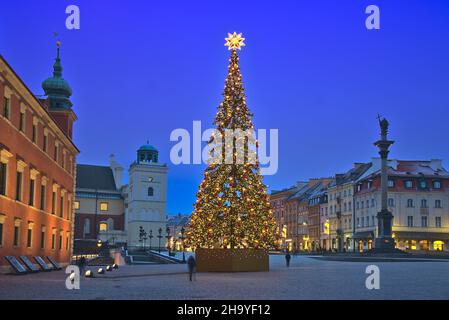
<point>147,197</point>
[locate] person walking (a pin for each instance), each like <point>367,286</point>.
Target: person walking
<point>288,257</point>
<point>191,263</point>
<point>82,264</point>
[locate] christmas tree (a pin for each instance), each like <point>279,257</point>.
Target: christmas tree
<point>232,208</point>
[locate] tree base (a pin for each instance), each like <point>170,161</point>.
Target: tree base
<point>232,260</point>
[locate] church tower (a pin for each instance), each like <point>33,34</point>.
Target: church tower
<point>58,94</point>
<point>147,197</point>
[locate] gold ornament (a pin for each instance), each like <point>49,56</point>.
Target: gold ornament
<point>234,41</point>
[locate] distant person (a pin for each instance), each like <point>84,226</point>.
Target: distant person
<point>288,257</point>
<point>191,263</point>
<point>82,264</point>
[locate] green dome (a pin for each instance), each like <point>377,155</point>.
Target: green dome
<point>56,88</point>
<point>147,147</point>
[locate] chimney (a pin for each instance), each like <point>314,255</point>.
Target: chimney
<point>117,171</point>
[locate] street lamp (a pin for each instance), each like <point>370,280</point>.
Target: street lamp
<point>150,237</point>
<point>182,242</point>
<point>168,240</point>
<point>160,237</point>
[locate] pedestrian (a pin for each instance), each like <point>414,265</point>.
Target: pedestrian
<point>82,264</point>
<point>191,263</point>
<point>287,259</point>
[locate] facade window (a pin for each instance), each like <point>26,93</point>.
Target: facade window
<point>363,222</point>
<point>16,234</point>
<point>67,240</point>
<point>53,202</point>
<point>43,238</point>
<point>410,221</point>
<point>1,233</point>
<point>437,185</point>
<point>34,133</point>
<point>408,184</point>
<point>438,222</point>
<point>424,221</point>
<point>437,203</point>
<point>410,203</point>
<point>372,220</point>
<point>86,227</point>
<point>103,226</point>
<point>390,183</point>
<point>60,240</point>
<point>104,206</point>
<point>19,178</point>
<point>390,202</point>
<point>53,239</point>
<point>423,184</point>
<point>358,222</point>
<point>42,204</point>
<point>77,205</point>
<point>22,121</point>
<point>30,236</point>
<point>55,154</point>
<point>372,203</point>
<point>2,178</point>
<point>423,203</point>
<point>31,199</point>
<point>370,184</point>
<point>6,103</point>
<point>45,143</point>
<point>150,191</point>
<point>61,206</point>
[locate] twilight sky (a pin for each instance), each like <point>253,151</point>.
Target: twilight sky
<point>140,69</point>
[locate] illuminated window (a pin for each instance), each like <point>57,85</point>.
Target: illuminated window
<point>104,206</point>
<point>438,245</point>
<point>77,205</point>
<point>103,226</point>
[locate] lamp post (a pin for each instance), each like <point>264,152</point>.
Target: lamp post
<point>182,242</point>
<point>142,235</point>
<point>160,237</point>
<point>168,240</point>
<point>150,237</point>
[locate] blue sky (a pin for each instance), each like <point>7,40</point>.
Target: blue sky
<point>140,69</point>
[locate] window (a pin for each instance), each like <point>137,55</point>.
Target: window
<point>16,235</point>
<point>410,203</point>
<point>372,202</point>
<point>104,206</point>
<point>55,154</point>
<point>437,185</point>
<point>30,236</point>
<point>19,186</point>
<point>390,183</point>
<point>409,184</point>
<point>423,184</point>
<point>150,191</point>
<point>53,239</point>
<point>410,221</point>
<point>349,205</point>
<point>43,238</point>
<point>103,226</point>
<point>438,222</point>
<point>1,233</point>
<point>437,203</point>
<point>423,203</point>
<point>86,227</point>
<point>53,202</point>
<point>370,184</point>
<point>390,202</point>
<point>45,143</point>
<point>363,222</point>
<point>34,133</point>
<point>61,206</point>
<point>424,221</point>
<point>5,107</point>
<point>67,240</point>
<point>76,205</point>
<point>31,199</point>
<point>60,240</point>
<point>2,178</point>
<point>372,220</point>
<point>42,197</point>
<point>22,121</point>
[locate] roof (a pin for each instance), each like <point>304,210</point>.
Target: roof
<point>147,147</point>
<point>352,175</point>
<point>414,168</point>
<point>178,220</point>
<point>94,177</point>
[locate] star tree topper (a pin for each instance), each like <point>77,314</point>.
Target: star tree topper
<point>234,41</point>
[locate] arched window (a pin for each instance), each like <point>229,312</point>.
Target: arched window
<point>150,191</point>
<point>410,203</point>
<point>423,203</point>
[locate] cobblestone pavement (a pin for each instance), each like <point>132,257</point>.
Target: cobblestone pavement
<point>307,278</point>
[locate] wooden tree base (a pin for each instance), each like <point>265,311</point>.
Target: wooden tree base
<point>232,260</point>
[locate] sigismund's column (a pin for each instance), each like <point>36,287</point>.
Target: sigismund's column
<point>384,240</point>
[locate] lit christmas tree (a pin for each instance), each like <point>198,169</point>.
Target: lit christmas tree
<point>232,208</point>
